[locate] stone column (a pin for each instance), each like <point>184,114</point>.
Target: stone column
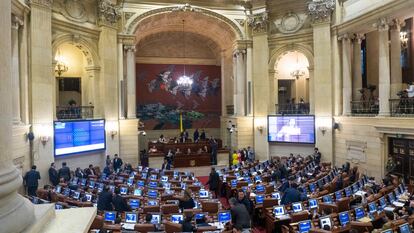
<point>395,56</point>
<point>121,107</point>
<point>337,75</point>
<point>261,83</point>
<point>274,91</point>
<point>240,82</point>
<point>43,84</point>
<point>384,67</point>
<point>16,212</point>
<point>24,74</point>
<point>131,86</point>
<point>346,75</point>
<point>249,74</point>
<point>93,76</point>
<point>311,91</point>
<point>321,17</point>
<point>16,23</point>
<point>108,20</point>
<point>357,67</point>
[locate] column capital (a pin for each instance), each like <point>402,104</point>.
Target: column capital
<point>239,52</point>
<point>16,22</point>
<point>396,24</point>
<point>126,39</point>
<point>382,24</point>
<point>321,10</point>
<point>108,12</point>
<point>358,37</point>
<point>258,22</point>
<point>344,37</point>
<point>129,48</point>
<point>44,3</point>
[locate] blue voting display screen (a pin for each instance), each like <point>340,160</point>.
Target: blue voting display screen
<point>73,137</point>
<point>305,226</point>
<point>224,216</point>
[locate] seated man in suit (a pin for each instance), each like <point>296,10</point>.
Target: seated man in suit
<point>240,217</point>
<point>90,170</point>
<point>105,200</point>
<point>119,202</point>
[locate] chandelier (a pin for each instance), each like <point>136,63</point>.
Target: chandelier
<point>404,40</point>
<point>184,80</point>
<point>297,72</point>
<point>61,66</point>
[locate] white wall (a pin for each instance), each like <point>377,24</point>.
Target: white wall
<point>284,149</point>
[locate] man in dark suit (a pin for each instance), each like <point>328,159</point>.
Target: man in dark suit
<point>291,195</point>
<point>119,202</point>
<point>64,172</point>
<point>53,175</point>
<point>105,200</point>
<point>214,147</point>
<point>117,162</point>
<point>203,135</point>
<point>242,199</point>
<point>213,181</point>
<point>240,217</point>
<point>31,181</point>
<point>196,135</point>
<point>90,170</point>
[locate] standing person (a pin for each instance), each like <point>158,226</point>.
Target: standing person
<point>31,181</point>
<point>240,217</point>
<point>250,154</point>
<point>108,160</point>
<point>213,182</point>
<point>203,135</point>
<point>117,162</point>
<point>196,135</point>
<point>90,170</point>
<point>64,172</point>
<point>214,147</point>
<point>166,165</point>
<point>105,200</point>
<point>185,134</point>
<point>242,199</point>
<point>317,155</point>
<point>79,173</point>
<point>53,175</point>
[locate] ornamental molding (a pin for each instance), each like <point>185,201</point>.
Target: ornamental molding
<point>321,10</point>
<point>396,24</point>
<point>258,22</point>
<point>130,48</point>
<point>16,21</point>
<point>108,13</point>
<point>358,37</point>
<point>239,52</point>
<point>290,23</point>
<point>130,29</point>
<point>45,3</point>
<point>186,7</point>
<point>382,24</point>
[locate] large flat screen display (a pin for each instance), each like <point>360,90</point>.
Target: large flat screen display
<point>79,136</point>
<point>291,129</point>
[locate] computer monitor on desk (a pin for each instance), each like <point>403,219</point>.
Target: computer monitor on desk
<point>279,210</point>
<point>260,188</point>
<point>123,190</point>
<point>109,216</point>
<point>177,218</point>
<point>313,203</point>
<point>359,213</point>
<point>326,220</point>
<point>131,217</point>
<point>88,197</point>
<point>348,192</point>
<point>153,184</point>
<point>297,207</point>
<point>224,217</point>
<point>164,178</point>
<point>276,195</point>
<point>327,199</point>
<point>259,199</point>
<point>338,195</point>
<point>312,187</point>
<point>203,193</point>
<point>344,218</point>
<point>404,228</point>
<point>372,206</point>
<point>304,226</point>
<point>152,203</point>
<point>134,203</point>
<point>156,218</point>
<point>152,193</point>
<point>234,183</point>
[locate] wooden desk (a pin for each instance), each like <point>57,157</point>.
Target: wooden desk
<point>192,160</point>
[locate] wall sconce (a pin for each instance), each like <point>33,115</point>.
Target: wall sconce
<point>323,130</point>
<point>113,133</point>
<point>260,129</point>
<point>44,139</point>
<point>404,40</point>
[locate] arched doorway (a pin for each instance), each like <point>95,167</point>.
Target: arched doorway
<point>293,83</point>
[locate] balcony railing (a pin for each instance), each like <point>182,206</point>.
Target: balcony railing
<point>403,107</point>
<point>293,109</point>
<point>230,110</point>
<point>364,108</point>
<point>78,112</point>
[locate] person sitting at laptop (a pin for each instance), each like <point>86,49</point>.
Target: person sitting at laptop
<point>202,222</point>
<point>187,201</point>
<point>119,202</point>
<point>187,226</point>
<point>148,218</point>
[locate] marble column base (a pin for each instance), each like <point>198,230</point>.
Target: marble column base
<point>16,212</point>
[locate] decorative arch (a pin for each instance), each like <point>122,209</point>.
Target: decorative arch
<point>279,52</point>
<point>82,44</point>
<point>135,21</point>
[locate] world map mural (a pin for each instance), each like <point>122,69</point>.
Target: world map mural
<point>160,99</point>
